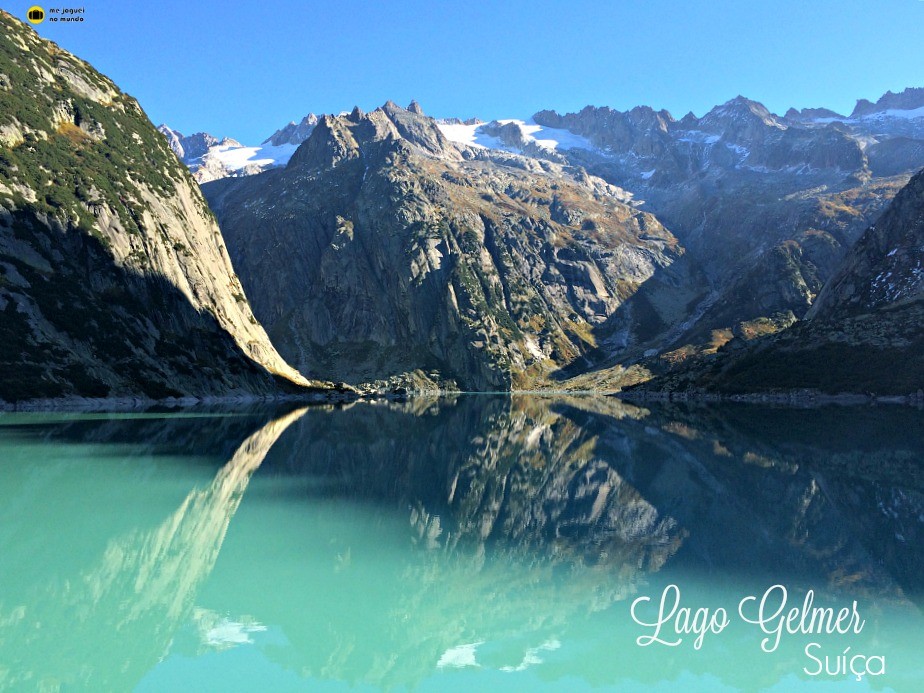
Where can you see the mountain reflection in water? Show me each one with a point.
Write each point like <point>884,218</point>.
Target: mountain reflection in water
<point>384,543</point>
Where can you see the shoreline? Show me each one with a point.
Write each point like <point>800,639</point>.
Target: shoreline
<point>793,398</point>
<point>798,398</point>
<point>127,404</point>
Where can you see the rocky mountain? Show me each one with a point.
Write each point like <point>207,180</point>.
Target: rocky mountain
<point>384,249</point>
<point>765,206</point>
<point>210,158</point>
<point>864,333</point>
<point>762,207</point>
<point>195,146</point>
<point>886,266</point>
<point>293,133</point>
<point>114,278</point>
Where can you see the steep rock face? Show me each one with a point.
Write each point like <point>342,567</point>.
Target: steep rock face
<point>886,266</point>
<point>115,279</point>
<point>382,248</point>
<point>864,333</point>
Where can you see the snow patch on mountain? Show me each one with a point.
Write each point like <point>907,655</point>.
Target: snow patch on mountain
<point>553,139</point>
<point>888,114</point>
<point>697,137</point>
<point>238,158</point>
<point>469,135</point>
<point>910,114</point>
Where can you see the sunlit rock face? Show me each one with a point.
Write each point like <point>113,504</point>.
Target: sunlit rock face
<point>382,249</point>
<point>116,281</point>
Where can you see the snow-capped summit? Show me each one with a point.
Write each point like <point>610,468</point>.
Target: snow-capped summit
<point>189,148</point>
<point>210,158</point>
<point>911,99</point>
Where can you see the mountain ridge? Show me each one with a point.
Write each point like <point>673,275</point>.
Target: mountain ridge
<point>401,252</point>
<point>762,209</point>
<point>864,333</point>
<point>115,279</point>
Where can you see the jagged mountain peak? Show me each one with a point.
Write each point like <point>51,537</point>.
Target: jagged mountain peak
<point>649,113</point>
<point>420,131</point>
<point>191,147</point>
<point>293,133</point>
<point>414,107</point>
<point>811,114</point>
<point>742,108</point>
<point>908,99</point>
<point>338,138</point>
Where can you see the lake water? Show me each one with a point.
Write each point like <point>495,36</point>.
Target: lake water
<point>475,543</point>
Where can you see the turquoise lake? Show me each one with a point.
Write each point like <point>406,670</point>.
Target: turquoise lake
<point>473,543</point>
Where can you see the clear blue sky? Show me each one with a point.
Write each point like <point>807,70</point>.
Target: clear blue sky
<point>243,69</point>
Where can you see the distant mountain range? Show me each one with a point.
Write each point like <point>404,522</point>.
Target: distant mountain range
<point>761,210</point>
<point>739,251</point>
<point>640,134</point>
<point>383,249</point>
